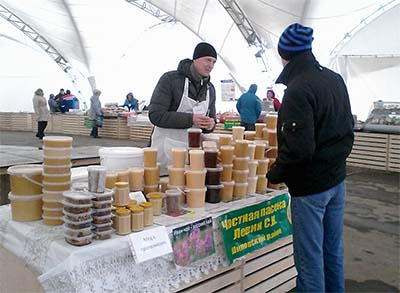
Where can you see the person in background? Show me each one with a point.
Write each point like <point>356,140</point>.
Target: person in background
<point>131,103</point>
<point>41,112</point>
<point>183,98</point>
<point>95,111</point>
<point>271,97</point>
<point>53,106</point>
<point>59,98</point>
<point>315,136</point>
<point>249,108</point>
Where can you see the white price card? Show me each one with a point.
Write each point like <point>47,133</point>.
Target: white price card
<point>138,196</point>
<point>150,243</point>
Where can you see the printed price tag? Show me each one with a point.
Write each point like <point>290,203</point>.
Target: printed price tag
<point>150,244</point>
<point>138,196</point>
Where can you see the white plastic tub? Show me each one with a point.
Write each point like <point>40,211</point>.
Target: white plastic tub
<point>118,158</point>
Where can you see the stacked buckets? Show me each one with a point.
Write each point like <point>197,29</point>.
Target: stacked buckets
<point>56,177</point>
<point>26,192</point>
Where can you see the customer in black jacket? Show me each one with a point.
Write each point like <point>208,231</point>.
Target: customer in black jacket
<point>182,99</point>
<point>315,136</point>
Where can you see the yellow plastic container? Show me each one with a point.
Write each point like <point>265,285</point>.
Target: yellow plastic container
<point>57,141</point>
<point>57,152</point>
<point>56,178</point>
<point>57,186</point>
<point>54,169</point>
<point>26,208</point>
<point>26,179</point>
<point>56,161</point>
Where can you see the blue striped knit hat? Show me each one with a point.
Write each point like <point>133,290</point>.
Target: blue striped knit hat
<point>294,40</point>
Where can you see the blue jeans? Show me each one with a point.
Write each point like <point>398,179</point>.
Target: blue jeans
<point>317,240</point>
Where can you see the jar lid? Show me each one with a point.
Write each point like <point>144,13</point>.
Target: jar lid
<point>121,184</point>
<point>132,202</point>
<point>136,209</point>
<point>146,204</point>
<point>154,195</point>
<point>122,212</point>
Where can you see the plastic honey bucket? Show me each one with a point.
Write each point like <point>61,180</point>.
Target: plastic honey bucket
<point>25,179</point>
<point>57,141</point>
<point>26,208</point>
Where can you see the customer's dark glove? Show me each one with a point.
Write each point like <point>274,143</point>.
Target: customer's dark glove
<point>276,174</point>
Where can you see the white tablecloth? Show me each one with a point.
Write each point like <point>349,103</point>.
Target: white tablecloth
<point>107,265</point>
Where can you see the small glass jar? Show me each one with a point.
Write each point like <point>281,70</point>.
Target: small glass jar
<point>121,195</point>
<point>123,221</point>
<point>137,218</point>
<point>148,213</point>
<point>156,199</point>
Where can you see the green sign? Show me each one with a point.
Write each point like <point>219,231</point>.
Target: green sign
<point>255,226</point>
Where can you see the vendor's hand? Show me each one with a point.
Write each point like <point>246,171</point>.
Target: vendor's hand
<point>202,121</point>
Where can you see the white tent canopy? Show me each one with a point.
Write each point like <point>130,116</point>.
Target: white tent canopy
<point>123,48</point>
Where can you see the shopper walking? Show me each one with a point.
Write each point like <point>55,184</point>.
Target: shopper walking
<point>249,108</point>
<point>95,111</point>
<point>315,136</point>
<point>41,112</point>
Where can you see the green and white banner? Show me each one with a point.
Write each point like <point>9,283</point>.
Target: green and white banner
<point>255,226</point>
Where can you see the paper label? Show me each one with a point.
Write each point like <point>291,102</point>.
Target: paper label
<point>138,196</point>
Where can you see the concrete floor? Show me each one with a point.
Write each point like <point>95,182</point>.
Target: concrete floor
<point>371,228</point>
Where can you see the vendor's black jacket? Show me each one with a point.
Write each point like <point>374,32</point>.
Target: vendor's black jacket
<point>168,93</point>
<point>315,128</point>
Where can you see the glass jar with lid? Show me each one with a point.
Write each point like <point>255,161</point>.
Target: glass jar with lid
<point>156,199</point>
<point>121,195</point>
<point>148,213</point>
<point>137,218</point>
<point>122,221</point>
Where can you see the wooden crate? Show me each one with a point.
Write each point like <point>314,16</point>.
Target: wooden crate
<point>56,123</point>
<point>110,128</point>
<point>140,132</point>
<point>21,122</point>
<point>268,269</point>
<point>394,153</point>
<point>123,129</point>
<point>74,124</point>
<point>5,121</point>
<point>369,151</point>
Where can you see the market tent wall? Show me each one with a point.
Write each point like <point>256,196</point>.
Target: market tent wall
<point>106,40</point>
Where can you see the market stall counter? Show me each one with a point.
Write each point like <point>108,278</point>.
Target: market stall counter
<point>254,255</point>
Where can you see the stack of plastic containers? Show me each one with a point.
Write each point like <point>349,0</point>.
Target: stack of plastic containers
<point>77,217</point>
<point>26,192</point>
<point>213,176</point>
<point>101,200</point>
<point>195,179</point>
<point>240,171</point>
<point>272,153</point>
<point>226,157</point>
<point>176,172</point>
<point>56,176</point>
<point>151,170</point>
<point>136,175</point>
<point>262,168</point>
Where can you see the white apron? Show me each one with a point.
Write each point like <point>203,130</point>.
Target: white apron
<point>165,139</point>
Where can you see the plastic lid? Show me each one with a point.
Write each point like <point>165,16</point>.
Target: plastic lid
<point>68,221</point>
<point>57,149</point>
<point>108,209</point>
<point>121,184</point>
<point>196,189</point>
<point>77,195</point>
<point>266,161</point>
<point>155,195</point>
<point>219,186</point>
<point>183,150</point>
<point>199,151</point>
<point>227,165</point>
<point>78,215</point>
<point>136,169</point>
<point>108,224</point>
<point>57,166</point>
<point>146,204</point>
<point>56,175</point>
<point>149,149</point>
<point>240,171</point>
<point>151,186</point>
<point>109,216</point>
<point>136,209</point>
<point>87,237</point>
<point>24,197</point>
<point>217,169</point>
<point>44,199</point>
<point>228,182</point>
<point>175,169</point>
<point>57,138</point>
<point>253,162</point>
<point>107,232</point>
<point>52,209</point>
<point>229,147</point>
<point>25,170</point>
<point>56,183</point>
<point>68,204</point>
<point>196,171</point>
<point>76,230</point>
<point>241,184</point>
<point>56,192</point>
<point>150,168</point>
<point>54,218</point>
<point>194,130</point>
<point>123,212</point>
<point>106,193</point>
<point>121,152</point>
<point>241,158</point>
<point>57,158</point>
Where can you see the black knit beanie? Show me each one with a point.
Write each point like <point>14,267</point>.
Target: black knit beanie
<point>295,39</point>
<point>203,50</point>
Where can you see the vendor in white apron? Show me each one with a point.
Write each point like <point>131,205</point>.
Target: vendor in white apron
<point>182,99</point>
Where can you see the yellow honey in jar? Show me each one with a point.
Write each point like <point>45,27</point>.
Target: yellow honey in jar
<point>137,218</point>
<point>57,141</point>
<point>122,221</point>
<point>148,213</point>
<point>25,179</point>
<point>26,208</point>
